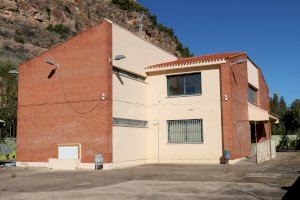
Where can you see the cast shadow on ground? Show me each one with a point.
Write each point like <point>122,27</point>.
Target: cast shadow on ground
<point>293,192</point>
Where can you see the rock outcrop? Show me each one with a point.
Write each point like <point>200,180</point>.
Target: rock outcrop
<point>30,27</point>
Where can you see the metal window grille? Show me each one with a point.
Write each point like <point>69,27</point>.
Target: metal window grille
<point>130,122</point>
<point>185,131</point>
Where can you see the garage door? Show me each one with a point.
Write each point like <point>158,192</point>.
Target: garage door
<point>68,152</point>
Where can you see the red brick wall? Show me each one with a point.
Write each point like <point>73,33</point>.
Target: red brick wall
<point>263,93</point>
<point>226,107</point>
<point>239,87</point>
<point>264,101</point>
<point>45,119</point>
<point>235,124</point>
<point>236,127</point>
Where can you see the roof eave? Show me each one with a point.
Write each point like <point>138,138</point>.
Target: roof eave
<point>185,65</point>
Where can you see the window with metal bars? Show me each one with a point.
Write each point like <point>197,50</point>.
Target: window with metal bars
<point>185,131</point>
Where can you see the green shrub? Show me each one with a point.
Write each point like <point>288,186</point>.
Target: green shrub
<point>19,39</point>
<point>6,46</point>
<point>130,5</point>
<point>184,51</point>
<point>60,29</point>
<point>284,143</point>
<point>289,144</point>
<point>153,19</point>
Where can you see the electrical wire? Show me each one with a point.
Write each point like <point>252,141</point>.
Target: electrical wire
<point>134,103</point>
<point>70,104</point>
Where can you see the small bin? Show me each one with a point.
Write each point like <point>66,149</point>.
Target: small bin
<point>98,161</point>
<point>227,155</point>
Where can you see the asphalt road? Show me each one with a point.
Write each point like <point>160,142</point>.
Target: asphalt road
<point>274,179</point>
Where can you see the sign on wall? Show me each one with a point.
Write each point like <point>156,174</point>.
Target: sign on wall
<point>68,152</point>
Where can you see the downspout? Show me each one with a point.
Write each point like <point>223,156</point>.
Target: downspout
<point>157,123</point>
<point>270,140</point>
<point>255,140</point>
<point>158,143</point>
<point>222,110</point>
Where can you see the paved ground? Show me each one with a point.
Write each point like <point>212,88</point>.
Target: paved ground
<point>275,179</point>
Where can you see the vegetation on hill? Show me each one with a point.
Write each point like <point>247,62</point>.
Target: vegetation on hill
<point>60,29</point>
<point>8,99</point>
<point>134,6</point>
<point>28,28</point>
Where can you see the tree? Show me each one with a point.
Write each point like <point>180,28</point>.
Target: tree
<point>278,107</point>
<point>289,117</point>
<point>296,106</point>
<point>295,110</point>
<point>8,98</point>
<point>282,107</point>
<point>274,104</point>
<point>291,121</point>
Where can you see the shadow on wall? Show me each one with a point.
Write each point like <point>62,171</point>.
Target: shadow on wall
<point>293,191</point>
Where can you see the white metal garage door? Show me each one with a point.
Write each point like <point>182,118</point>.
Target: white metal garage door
<point>68,152</point>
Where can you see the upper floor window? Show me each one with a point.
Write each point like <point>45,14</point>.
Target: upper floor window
<point>186,84</point>
<point>252,95</point>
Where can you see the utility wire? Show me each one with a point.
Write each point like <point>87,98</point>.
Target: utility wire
<point>70,104</point>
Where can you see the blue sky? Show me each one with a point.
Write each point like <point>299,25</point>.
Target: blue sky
<point>268,30</point>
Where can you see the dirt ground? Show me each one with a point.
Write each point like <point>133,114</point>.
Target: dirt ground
<point>274,179</point>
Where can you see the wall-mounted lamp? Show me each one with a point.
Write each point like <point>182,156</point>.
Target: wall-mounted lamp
<point>103,97</point>
<point>225,97</point>
<point>155,122</point>
<point>52,72</point>
<point>51,62</point>
<point>117,57</point>
<point>14,71</point>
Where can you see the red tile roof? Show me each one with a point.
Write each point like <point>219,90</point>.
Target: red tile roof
<point>202,58</point>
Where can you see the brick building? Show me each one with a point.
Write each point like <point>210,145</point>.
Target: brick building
<point>81,98</point>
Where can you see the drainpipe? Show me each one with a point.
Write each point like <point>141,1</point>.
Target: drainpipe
<point>157,123</point>
<point>270,141</point>
<point>255,140</point>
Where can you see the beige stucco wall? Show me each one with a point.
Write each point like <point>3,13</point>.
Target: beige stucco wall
<point>139,53</point>
<point>148,101</point>
<point>130,98</point>
<point>206,106</point>
<point>257,114</point>
<point>252,74</point>
<point>129,144</point>
<point>129,101</point>
<point>263,151</point>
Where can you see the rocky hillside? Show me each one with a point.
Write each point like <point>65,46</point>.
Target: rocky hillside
<point>29,27</point>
